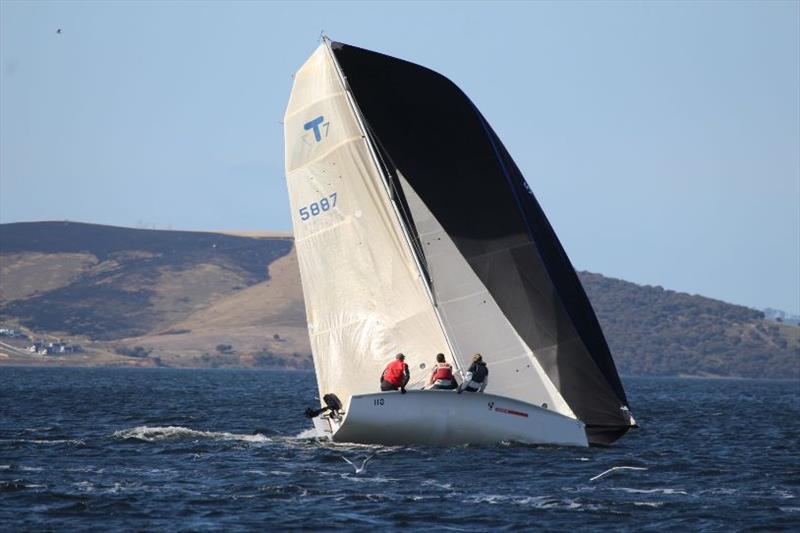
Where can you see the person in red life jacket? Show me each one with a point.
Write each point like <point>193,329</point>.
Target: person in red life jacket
<point>442,376</point>
<point>395,375</point>
<point>477,376</point>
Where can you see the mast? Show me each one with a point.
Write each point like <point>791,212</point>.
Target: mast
<point>392,199</point>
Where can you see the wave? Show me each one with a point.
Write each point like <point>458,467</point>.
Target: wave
<point>267,474</point>
<point>76,442</point>
<point>537,502</point>
<point>19,484</point>
<point>654,505</point>
<point>436,484</point>
<point>651,491</point>
<point>153,434</point>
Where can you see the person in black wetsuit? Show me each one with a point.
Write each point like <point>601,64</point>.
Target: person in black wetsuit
<point>477,376</point>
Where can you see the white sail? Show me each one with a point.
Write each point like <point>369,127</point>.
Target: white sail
<point>473,320</point>
<point>365,299</point>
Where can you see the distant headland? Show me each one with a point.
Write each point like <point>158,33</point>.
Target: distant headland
<point>139,297</point>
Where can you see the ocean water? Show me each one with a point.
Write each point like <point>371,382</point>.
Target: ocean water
<point>159,449</point>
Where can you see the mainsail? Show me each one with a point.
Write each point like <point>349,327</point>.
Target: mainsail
<point>435,243</point>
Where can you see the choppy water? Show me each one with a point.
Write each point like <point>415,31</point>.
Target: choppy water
<point>175,450</point>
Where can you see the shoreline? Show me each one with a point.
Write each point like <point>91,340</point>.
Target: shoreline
<point>123,365</point>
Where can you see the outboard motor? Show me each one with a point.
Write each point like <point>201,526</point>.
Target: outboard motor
<point>332,404</point>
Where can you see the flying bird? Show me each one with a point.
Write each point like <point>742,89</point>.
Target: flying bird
<point>363,467</point>
<point>598,476</point>
<point>59,30</point>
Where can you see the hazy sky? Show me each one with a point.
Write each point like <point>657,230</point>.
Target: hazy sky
<point>662,139</point>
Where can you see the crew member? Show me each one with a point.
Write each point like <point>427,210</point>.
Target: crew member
<point>442,375</point>
<point>477,376</point>
<point>395,375</point>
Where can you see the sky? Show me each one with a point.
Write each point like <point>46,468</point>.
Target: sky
<point>662,139</point>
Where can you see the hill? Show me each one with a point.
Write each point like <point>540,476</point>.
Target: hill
<point>130,292</point>
<point>149,297</point>
<point>653,331</point>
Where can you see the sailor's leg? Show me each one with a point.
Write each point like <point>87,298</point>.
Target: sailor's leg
<point>386,386</point>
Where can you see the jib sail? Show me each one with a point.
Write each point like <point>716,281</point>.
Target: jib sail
<point>365,300</point>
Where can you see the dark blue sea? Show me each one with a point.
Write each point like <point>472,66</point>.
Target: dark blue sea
<point>174,450</point>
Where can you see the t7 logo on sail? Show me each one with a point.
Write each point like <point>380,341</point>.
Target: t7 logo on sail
<point>318,126</point>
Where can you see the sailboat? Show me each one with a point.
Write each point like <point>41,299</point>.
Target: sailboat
<point>416,233</point>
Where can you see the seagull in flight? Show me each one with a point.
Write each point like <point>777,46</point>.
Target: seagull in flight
<point>598,476</point>
<point>59,30</point>
<point>363,467</point>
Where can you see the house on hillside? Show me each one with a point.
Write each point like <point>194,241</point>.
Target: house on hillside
<point>35,347</point>
<point>13,333</point>
<point>54,348</point>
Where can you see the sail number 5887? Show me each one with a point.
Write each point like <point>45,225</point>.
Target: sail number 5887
<point>317,208</point>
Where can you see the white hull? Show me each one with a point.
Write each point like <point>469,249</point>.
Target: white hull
<point>444,418</point>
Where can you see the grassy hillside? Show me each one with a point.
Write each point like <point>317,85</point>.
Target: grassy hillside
<point>103,283</point>
<point>217,299</point>
<point>106,283</point>
<point>652,331</point>
<point>262,325</point>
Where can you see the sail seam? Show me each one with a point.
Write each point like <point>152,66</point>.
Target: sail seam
<point>326,229</point>
<point>312,104</point>
<point>342,325</point>
<point>462,298</point>
<point>498,251</point>
<point>326,153</point>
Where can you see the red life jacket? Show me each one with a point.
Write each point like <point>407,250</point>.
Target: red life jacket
<point>394,373</point>
<point>443,371</point>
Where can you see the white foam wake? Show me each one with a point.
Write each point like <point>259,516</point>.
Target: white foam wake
<point>311,433</point>
<point>152,434</point>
